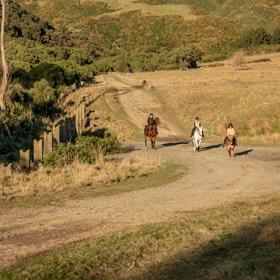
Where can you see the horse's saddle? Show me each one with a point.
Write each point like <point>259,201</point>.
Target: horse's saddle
<point>151,130</point>
<point>231,139</point>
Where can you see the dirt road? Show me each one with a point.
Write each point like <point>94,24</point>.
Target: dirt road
<point>137,103</point>
<point>211,179</point>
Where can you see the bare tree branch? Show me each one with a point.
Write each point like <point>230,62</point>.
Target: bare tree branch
<point>5,67</point>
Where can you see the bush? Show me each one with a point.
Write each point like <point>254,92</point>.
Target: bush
<point>275,36</point>
<point>254,37</point>
<point>50,72</point>
<point>44,98</point>
<point>62,154</point>
<point>84,150</point>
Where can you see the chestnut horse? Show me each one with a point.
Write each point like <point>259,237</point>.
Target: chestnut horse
<point>151,132</point>
<point>230,143</point>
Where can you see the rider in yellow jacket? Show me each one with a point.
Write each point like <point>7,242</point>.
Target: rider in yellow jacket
<point>231,132</point>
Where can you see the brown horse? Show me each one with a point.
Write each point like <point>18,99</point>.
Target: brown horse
<point>230,144</point>
<point>151,132</point>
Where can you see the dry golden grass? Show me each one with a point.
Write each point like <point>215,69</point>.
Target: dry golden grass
<point>250,99</point>
<point>261,127</point>
<point>156,10</point>
<point>238,59</point>
<point>77,175</point>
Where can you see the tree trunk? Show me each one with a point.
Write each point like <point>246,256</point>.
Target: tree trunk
<point>5,67</point>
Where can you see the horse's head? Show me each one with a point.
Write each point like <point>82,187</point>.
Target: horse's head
<point>157,121</point>
<point>229,140</point>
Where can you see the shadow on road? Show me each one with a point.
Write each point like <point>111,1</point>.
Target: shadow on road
<point>243,153</point>
<point>130,149</point>
<point>210,147</point>
<point>171,144</point>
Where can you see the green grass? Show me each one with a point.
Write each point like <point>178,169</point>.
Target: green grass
<point>237,241</point>
<point>166,174</point>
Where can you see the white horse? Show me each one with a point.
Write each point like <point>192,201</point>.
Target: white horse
<point>197,137</point>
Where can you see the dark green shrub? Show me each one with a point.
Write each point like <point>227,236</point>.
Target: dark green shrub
<point>254,37</point>
<point>84,150</point>
<point>21,76</point>
<point>275,36</point>
<point>62,154</point>
<point>86,147</point>
<point>50,72</point>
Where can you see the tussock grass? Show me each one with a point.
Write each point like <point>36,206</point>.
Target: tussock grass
<point>237,241</point>
<point>75,176</point>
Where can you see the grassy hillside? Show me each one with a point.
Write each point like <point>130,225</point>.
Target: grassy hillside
<point>252,13</point>
<point>222,94</point>
<point>249,13</point>
<point>146,35</point>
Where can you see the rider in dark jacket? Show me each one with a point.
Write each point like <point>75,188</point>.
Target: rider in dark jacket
<point>151,120</point>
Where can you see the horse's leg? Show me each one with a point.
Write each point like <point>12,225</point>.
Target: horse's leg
<point>153,143</point>
<point>198,145</point>
<point>145,137</point>
<point>232,149</point>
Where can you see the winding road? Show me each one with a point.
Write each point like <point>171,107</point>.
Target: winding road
<point>211,179</point>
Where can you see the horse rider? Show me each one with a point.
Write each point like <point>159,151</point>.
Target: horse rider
<point>231,132</point>
<point>151,120</point>
<point>197,124</point>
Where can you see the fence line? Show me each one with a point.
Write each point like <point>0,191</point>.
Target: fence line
<point>66,130</point>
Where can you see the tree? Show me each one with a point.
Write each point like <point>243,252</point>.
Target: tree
<point>5,67</point>
<point>43,95</point>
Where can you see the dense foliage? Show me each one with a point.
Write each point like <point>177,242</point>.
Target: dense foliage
<point>259,36</point>
<point>84,149</point>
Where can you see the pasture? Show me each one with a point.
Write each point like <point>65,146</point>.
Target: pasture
<point>249,98</point>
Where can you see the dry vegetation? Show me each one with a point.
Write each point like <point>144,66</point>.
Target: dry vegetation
<point>238,60</point>
<point>169,9</point>
<point>249,98</point>
<point>238,241</point>
<point>75,176</point>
